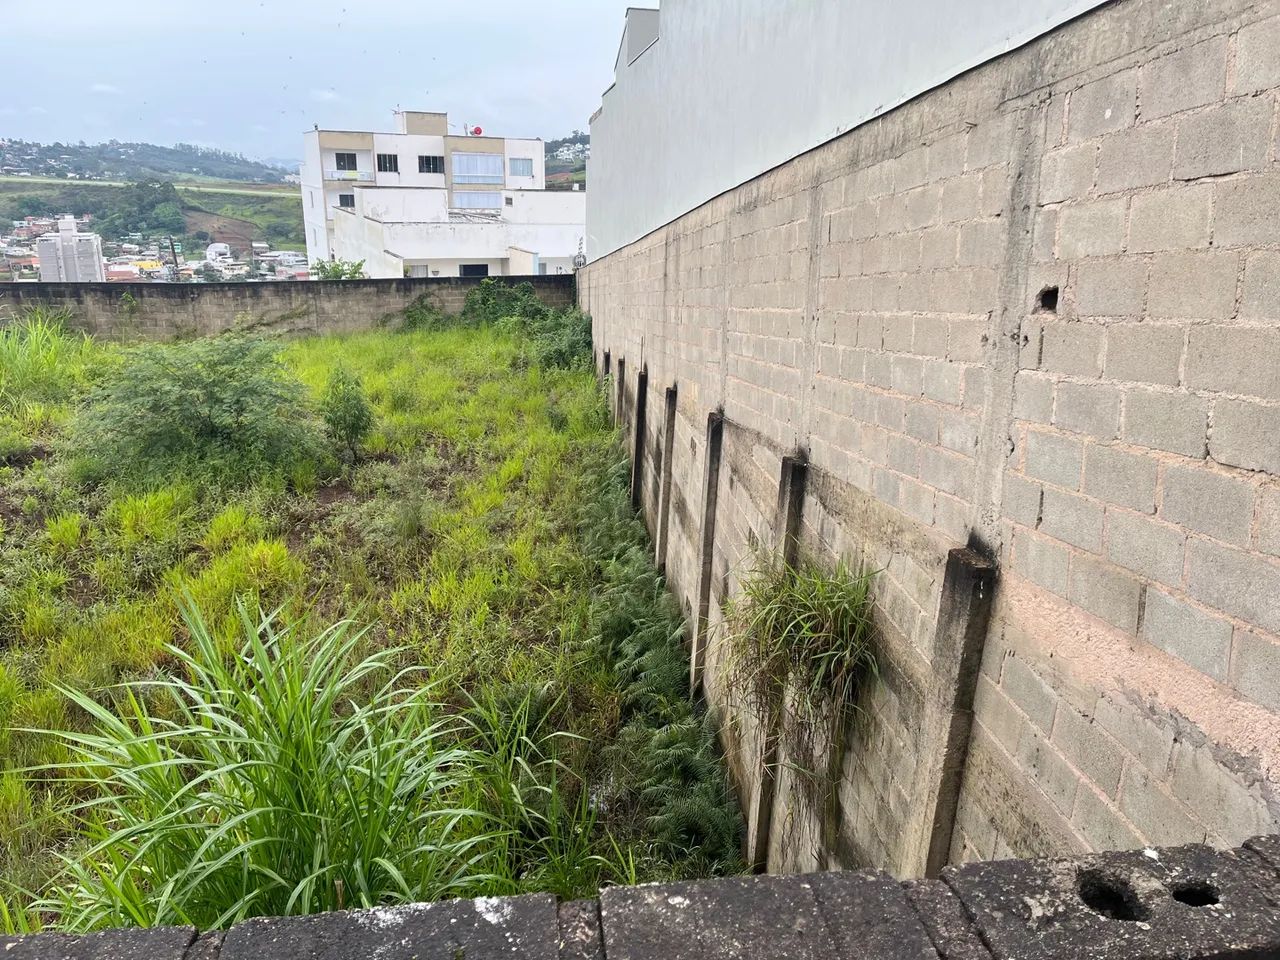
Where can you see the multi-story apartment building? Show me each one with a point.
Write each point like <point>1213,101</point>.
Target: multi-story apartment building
<point>70,256</point>
<point>422,202</point>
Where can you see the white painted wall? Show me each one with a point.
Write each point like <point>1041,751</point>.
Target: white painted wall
<point>408,147</point>
<point>534,150</point>
<point>731,89</point>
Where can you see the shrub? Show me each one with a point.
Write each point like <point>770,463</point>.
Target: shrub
<point>346,411</point>
<point>422,314</point>
<point>494,300</point>
<point>224,406</point>
<point>338,269</point>
<point>561,339</point>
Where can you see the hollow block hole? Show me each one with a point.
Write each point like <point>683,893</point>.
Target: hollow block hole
<point>1111,896</point>
<point>1047,302</point>
<point>1196,893</point>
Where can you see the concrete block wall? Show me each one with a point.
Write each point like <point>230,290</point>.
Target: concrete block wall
<point>1168,904</point>
<point>1035,312</point>
<point>167,311</point>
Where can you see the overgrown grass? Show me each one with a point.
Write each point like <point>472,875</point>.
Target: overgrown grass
<point>483,539</point>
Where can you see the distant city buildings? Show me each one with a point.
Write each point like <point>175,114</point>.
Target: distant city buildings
<point>421,202</point>
<point>70,256</point>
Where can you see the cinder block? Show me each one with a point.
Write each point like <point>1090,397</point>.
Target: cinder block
<point>1072,348</point>
<point>1033,397</point>
<point>1186,78</point>
<point>960,199</point>
<point>1257,61</point>
<point>1201,780</point>
<point>981,242</point>
<point>1020,500</point>
<point>1110,288</point>
<point>1054,458</point>
<point>1237,583</point>
<point>1072,519</point>
<point>1041,561</point>
<point>1101,824</point>
<point>1032,695</point>
<point>1137,157</point>
<point>1260,299</point>
<point>1092,229</point>
<point>1208,502</point>
<point>1088,408</point>
<point>1193,636</point>
<point>1227,139</point>
<point>1137,727</point>
<point>1199,284</point>
<point>1240,360</point>
<point>1176,218</point>
<point>1152,809</point>
<point>1067,174</point>
<point>1050,772</point>
<point>959,432</point>
<point>1246,211</point>
<point>1127,479</point>
<point>1256,669</point>
<point>1176,422</point>
<point>1269,521</point>
<point>1246,434</point>
<point>1144,353</point>
<point>942,381</point>
<point>1096,755</point>
<point>1103,106</point>
<point>1105,591</point>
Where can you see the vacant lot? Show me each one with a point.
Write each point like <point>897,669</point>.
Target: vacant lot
<point>474,527</point>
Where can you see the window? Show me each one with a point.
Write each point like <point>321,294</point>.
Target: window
<point>522,166</point>
<point>388,163</point>
<point>431,164</point>
<point>344,161</point>
<point>473,270</point>
<point>477,168</point>
<point>346,199</point>
<point>511,201</point>
<point>476,199</point>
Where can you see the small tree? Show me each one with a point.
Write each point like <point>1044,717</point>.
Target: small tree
<point>339,269</point>
<point>346,411</point>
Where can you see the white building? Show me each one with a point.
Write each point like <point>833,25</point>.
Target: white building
<point>421,202</point>
<point>69,256</point>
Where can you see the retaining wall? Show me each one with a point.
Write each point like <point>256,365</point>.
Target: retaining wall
<point>1015,345</point>
<point>165,311</point>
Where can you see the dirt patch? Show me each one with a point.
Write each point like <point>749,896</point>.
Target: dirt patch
<point>229,230</point>
<point>24,458</point>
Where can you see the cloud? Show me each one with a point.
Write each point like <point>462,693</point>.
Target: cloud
<point>37,111</point>
<point>103,88</point>
<point>324,96</point>
<point>8,112</point>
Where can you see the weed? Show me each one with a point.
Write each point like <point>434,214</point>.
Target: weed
<point>346,411</point>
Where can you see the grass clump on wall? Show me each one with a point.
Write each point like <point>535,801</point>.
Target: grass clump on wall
<point>801,644</point>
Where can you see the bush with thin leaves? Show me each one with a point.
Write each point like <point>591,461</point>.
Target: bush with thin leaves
<point>347,413</point>
<point>290,777</point>
<point>226,406</point>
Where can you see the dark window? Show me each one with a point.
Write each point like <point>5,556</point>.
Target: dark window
<point>473,270</point>
<point>511,201</point>
<point>430,164</point>
<point>346,199</point>
<point>388,163</point>
<point>345,161</point>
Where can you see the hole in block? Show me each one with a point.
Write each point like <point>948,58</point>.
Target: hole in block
<point>1196,893</point>
<point>1111,896</point>
<point>1047,302</point>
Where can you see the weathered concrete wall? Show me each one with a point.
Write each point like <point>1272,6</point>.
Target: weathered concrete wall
<point>1034,311</point>
<point>1177,904</point>
<point>165,311</point>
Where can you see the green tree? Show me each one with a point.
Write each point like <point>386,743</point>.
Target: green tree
<point>339,269</point>
<point>346,411</point>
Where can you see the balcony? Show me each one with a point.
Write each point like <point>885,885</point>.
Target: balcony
<point>361,175</point>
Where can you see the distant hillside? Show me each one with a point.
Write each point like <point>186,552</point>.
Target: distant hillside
<point>131,161</point>
<point>577,137</point>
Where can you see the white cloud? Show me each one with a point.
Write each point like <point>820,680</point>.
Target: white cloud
<point>103,88</point>
<point>324,96</point>
<point>37,111</point>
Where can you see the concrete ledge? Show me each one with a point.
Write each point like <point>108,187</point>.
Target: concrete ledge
<point>1180,903</point>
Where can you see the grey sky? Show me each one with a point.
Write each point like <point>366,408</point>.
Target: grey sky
<point>251,75</point>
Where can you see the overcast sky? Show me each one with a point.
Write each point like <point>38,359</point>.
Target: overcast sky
<point>252,75</point>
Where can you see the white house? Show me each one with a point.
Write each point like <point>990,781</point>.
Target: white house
<point>423,202</point>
